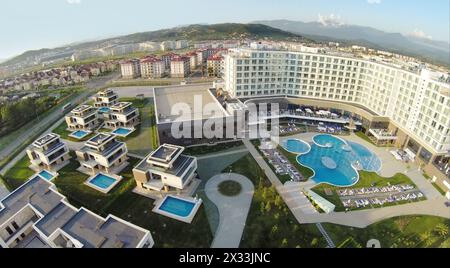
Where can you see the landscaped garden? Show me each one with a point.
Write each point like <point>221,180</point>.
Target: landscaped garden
<point>270,223</point>
<point>213,148</point>
<point>18,174</point>
<point>230,188</point>
<point>366,179</point>
<point>399,232</point>
<point>306,172</point>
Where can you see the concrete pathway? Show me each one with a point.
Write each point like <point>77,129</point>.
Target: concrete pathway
<point>3,191</point>
<point>233,210</point>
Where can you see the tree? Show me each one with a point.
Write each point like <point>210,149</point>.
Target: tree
<point>441,229</point>
<point>262,208</point>
<point>278,201</point>
<point>284,243</point>
<point>268,207</point>
<point>274,229</point>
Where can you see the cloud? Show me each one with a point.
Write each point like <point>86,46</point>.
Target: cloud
<point>420,34</point>
<point>330,20</point>
<point>374,2</point>
<point>73,2</point>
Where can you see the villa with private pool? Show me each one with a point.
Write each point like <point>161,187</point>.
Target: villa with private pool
<point>84,117</point>
<point>122,115</point>
<point>48,152</point>
<point>104,99</point>
<point>102,153</point>
<point>165,169</point>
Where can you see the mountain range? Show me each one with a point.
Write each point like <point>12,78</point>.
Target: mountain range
<point>425,48</point>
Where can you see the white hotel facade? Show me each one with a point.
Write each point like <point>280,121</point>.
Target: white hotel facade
<point>412,104</point>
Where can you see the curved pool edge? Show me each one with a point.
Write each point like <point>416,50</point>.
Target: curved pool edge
<point>297,153</point>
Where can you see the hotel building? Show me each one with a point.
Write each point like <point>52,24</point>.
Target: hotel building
<point>105,98</point>
<point>35,215</point>
<point>180,67</point>
<point>164,169</point>
<point>83,117</point>
<point>48,152</point>
<point>102,153</point>
<point>215,66</point>
<point>122,114</point>
<point>411,104</point>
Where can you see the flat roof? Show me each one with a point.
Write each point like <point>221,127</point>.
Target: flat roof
<point>166,98</point>
<point>35,192</point>
<point>45,139</point>
<point>95,232</point>
<point>165,153</point>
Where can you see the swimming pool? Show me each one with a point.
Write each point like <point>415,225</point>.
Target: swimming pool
<point>296,146</point>
<point>104,110</point>
<point>335,161</point>
<point>102,182</point>
<point>79,134</point>
<point>177,206</point>
<point>122,131</point>
<point>46,175</point>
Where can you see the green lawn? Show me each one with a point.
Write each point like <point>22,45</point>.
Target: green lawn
<point>145,138</point>
<point>366,179</point>
<point>306,172</point>
<point>230,188</point>
<point>205,149</point>
<point>400,232</point>
<point>270,223</point>
<point>440,190</point>
<point>18,174</point>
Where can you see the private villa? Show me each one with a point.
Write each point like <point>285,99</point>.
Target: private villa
<point>122,114</point>
<point>165,169</point>
<point>105,98</point>
<point>102,153</point>
<point>83,117</point>
<point>35,215</point>
<point>48,152</point>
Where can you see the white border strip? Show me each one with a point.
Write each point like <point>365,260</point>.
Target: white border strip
<point>187,219</point>
<point>89,183</point>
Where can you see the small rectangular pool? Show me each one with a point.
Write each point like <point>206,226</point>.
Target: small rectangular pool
<point>46,175</point>
<point>123,132</point>
<point>103,183</point>
<point>178,208</point>
<point>79,134</point>
<point>104,110</point>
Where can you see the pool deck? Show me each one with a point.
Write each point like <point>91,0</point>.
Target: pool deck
<point>233,210</point>
<point>187,219</point>
<point>433,206</point>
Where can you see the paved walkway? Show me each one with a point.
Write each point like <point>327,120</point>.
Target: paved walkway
<point>433,206</point>
<point>233,210</point>
<point>221,154</point>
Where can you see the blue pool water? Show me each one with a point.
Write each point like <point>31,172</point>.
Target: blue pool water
<point>296,146</point>
<point>104,110</point>
<point>177,206</point>
<point>122,131</point>
<point>80,134</point>
<point>102,181</point>
<point>46,175</point>
<point>332,158</point>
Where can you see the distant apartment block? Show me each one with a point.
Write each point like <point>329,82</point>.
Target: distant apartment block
<point>105,98</point>
<point>152,67</point>
<point>83,117</point>
<point>48,152</point>
<point>130,69</point>
<point>167,58</point>
<point>193,60</point>
<point>35,215</point>
<point>180,67</point>
<point>102,153</point>
<point>164,169</point>
<point>122,114</point>
<point>215,65</point>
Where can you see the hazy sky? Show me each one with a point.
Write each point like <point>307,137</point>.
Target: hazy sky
<point>34,24</point>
